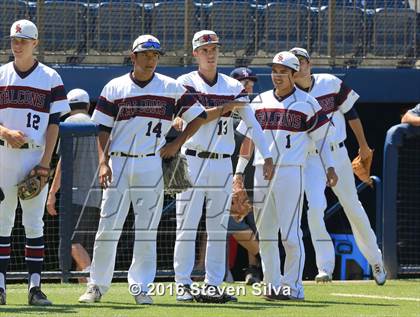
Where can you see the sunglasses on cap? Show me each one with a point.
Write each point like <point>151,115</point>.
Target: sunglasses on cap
<point>207,38</point>
<point>147,45</point>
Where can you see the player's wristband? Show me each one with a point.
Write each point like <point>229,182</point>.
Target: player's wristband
<point>242,163</point>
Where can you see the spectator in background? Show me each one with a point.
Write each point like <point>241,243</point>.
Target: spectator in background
<point>244,232</point>
<point>412,116</point>
<point>87,194</point>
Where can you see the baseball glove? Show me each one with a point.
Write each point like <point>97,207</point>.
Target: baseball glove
<point>32,185</point>
<point>175,174</point>
<point>241,205</point>
<point>362,168</point>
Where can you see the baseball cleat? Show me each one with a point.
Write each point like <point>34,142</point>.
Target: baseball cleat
<point>2,297</point>
<point>379,274</point>
<point>143,299</point>
<point>252,275</point>
<point>37,298</point>
<point>323,277</point>
<point>184,294</point>
<point>92,295</point>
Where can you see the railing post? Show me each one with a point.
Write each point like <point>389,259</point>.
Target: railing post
<point>187,32</point>
<point>40,25</point>
<point>331,31</point>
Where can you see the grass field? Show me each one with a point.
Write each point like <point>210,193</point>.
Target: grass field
<point>396,298</point>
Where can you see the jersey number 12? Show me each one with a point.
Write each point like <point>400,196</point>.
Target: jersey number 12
<point>33,121</point>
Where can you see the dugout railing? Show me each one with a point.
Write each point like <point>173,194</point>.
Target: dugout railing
<point>401,201</point>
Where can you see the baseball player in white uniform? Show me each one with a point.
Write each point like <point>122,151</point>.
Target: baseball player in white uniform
<point>291,120</point>
<point>135,112</point>
<point>32,96</point>
<point>337,102</point>
<point>210,167</point>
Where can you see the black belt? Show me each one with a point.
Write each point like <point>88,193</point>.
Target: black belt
<point>206,155</point>
<point>340,145</point>
<point>122,154</point>
<point>24,146</point>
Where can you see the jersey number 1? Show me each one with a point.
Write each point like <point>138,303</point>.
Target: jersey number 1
<point>157,129</point>
<point>288,146</point>
<point>33,121</point>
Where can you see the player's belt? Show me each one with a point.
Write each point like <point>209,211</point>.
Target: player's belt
<point>122,154</point>
<point>23,146</point>
<point>339,145</point>
<point>206,155</point>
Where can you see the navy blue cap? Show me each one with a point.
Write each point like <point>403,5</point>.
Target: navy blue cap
<point>242,73</point>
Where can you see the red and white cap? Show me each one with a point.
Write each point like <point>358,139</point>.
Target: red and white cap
<point>24,29</point>
<point>204,37</point>
<point>286,59</point>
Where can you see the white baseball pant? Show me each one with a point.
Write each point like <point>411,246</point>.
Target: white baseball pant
<point>138,181</point>
<point>346,192</point>
<point>212,183</point>
<point>15,165</point>
<point>278,206</point>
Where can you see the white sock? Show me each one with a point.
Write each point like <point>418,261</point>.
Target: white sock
<point>35,280</point>
<point>2,282</point>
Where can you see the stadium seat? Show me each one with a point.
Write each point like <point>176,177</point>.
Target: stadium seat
<point>10,11</point>
<point>349,31</point>
<point>117,25</point>
<point>64,26</point>
<point>168,23</point>
<point>285,25</point>
<point>393,32</point>
<point>234,24</point>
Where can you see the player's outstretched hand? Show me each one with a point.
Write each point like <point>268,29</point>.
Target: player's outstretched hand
<point>169,150</point>
<point>15,138</point>
<point>268,169</point>
<point>332,177</point>
<point>51,204</point>
<point>105,175</point>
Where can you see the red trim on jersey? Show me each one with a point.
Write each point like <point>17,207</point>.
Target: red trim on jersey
<point>34,253</point>
<point>318,120</point>
<point>281,119</point>
<point>184,103</point>
<point>23,97</point>
<point>58,93</point>
<point>209,101</point>
<point>4,88</point>
<point>107,107</point>
<point>145,97</point>
<point>342,95</point>
<point>328,103</point>
<point>5,251</point>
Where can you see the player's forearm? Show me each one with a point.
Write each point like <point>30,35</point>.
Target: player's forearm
<point>51,139</point>
<point>411,119</point>
<point>3,131</point>
<point>189,131</point>
<point>55,185</point>
<point>216,112</point>
<point>103,144</point>
<point>356,126</point>
<point>247,148</point>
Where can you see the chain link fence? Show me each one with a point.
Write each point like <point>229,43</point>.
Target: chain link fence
<point>91,31</point>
